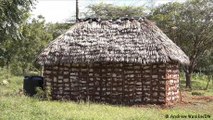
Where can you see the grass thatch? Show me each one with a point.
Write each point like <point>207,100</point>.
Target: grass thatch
<point>127,40</point>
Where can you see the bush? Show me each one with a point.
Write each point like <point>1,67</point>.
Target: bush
<point>198,93</point>
<point>15,69</point>
<point>43,94</point>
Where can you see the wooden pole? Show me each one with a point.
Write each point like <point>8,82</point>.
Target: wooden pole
<point>42,71</point>
<point>77,11</point>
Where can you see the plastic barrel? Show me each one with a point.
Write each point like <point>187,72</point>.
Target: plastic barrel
<point>31,83</point>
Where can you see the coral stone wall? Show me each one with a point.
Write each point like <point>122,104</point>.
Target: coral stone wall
<point>172,84</point>
<point>115,83</point>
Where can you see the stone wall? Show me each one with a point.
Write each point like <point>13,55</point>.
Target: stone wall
<point>114,83</point>
<point>172,84</point>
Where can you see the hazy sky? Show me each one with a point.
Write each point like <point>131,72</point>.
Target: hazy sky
<point>62,10</point>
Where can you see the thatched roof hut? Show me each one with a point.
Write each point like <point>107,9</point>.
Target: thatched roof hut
<point>123,41</point>
<point>94,48</point>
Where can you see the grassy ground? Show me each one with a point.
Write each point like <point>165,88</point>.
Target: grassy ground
<point>15,106</point>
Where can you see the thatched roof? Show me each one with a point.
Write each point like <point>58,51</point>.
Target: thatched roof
<point>126,40</point>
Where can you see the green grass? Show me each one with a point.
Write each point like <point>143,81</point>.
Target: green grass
<point>15,106</point>
<point>199,82</point>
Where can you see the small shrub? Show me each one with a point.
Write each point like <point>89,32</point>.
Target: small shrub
<point>15,69</point>
<point>197,93</point>
<point>39,93</point>
<point>43,94</point>
<point>48,93</point>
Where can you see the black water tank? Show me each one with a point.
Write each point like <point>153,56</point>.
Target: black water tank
<point>31,83</point>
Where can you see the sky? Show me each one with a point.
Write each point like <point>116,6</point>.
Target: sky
<point>63,10</point>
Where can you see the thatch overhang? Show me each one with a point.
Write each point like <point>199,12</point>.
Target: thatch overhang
<point>127,40</point>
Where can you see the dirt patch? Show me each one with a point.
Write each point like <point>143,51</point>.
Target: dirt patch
<point>188,99</point>
<point>203,98</point>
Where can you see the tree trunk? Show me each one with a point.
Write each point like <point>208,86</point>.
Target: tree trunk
<point>7,68</point>
<point>209,78</point>
<point>188,76</point>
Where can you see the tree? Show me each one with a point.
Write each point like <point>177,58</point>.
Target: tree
<point>166,17</point>
<point>36,35</point>
<point>193,31</point>
<point>21,54</point>
<point>12,13</point>
<point>109,11</point>
<point>57,29</point>
<point>35,38</point>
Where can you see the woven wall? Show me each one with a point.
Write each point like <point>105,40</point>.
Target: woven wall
<point>115,83</point>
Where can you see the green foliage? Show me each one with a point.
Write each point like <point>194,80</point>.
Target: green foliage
<point>35,38</point>
<point>36,35</point>
<point>109,11</point>
<point>12,14</point>
<point>57,29</point>
<point>199,81</point>
<point>205,62</point>
<point>48,94</point>
<point>39,93</point>
<point>43,94</point>
<point>15,68</point>
<point>189,25</point>
<point>166,17</point>
<point>197,93</point>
